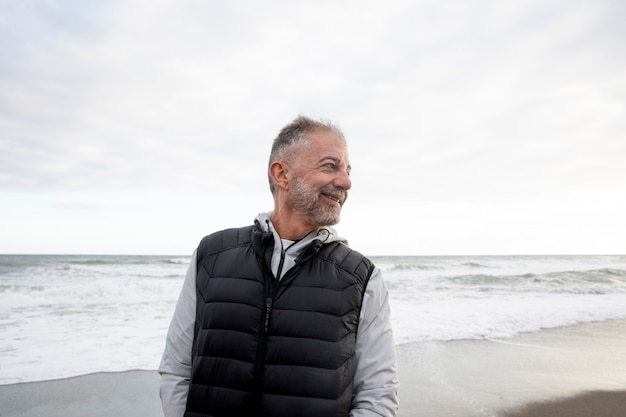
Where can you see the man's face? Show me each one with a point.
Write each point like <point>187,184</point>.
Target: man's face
<point>321,180</point>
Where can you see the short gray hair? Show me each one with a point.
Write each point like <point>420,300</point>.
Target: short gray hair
<point>293,137</point>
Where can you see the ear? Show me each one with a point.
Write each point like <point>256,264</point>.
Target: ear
<point>279,172</point>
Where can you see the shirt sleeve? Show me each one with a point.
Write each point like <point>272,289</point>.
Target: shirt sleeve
<point>175,367</point>
<point>375,381</point>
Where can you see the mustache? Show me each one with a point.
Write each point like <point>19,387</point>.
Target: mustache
<point>337,193</point>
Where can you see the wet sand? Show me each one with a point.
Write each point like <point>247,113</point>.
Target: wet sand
<point>484,378</point>
<point>590,404</point>
<point>117,394</point>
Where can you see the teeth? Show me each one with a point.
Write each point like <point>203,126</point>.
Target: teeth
<point>336,195</point>
<point>333,198</point>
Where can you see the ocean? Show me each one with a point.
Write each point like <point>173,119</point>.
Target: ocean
<point>64,316</point>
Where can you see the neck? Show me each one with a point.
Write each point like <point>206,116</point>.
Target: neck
<point>290,225</point>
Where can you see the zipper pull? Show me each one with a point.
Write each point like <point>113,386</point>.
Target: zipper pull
<point>268,308</point>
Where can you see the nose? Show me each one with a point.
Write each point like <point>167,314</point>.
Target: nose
<point>343,181</point>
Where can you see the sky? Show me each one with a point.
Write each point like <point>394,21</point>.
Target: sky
<point>474,127</point>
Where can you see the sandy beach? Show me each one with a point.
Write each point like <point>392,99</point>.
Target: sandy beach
<point>116,394</point>
<point>523,376</point>
<point>577,371</point>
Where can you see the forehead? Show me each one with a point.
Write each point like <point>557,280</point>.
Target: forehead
<point>325,144</point>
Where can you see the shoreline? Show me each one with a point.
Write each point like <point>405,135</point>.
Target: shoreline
<point>556,373</point>
<point>494,378</point>
<point>592,403</point>
<point>103,394</point>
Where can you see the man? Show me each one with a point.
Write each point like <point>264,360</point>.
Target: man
<point>281,318</point>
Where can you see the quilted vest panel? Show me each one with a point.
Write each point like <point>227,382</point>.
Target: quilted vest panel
<point>268,348</point>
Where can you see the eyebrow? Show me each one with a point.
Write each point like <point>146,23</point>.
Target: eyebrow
<point>336,161</point>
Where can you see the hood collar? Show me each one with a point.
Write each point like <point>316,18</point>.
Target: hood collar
<point>325,234</point>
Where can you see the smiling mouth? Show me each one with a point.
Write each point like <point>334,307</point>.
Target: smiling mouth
<point>336,199</point>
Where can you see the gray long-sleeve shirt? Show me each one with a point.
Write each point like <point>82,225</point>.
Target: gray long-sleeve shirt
<point>375,381</point>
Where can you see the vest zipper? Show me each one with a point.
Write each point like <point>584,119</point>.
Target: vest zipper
<point>270,297</point>
<point>281,264</point>
<point>271,287</point>
<point>261,348</point>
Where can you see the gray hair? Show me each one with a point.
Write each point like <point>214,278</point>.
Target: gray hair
<point>294,137</point>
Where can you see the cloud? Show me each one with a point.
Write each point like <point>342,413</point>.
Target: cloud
<point>487,104</point>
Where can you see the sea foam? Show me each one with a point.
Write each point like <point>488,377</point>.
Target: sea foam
<point>69,315</point>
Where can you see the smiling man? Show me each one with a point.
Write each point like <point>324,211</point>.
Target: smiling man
<point>282,318</point>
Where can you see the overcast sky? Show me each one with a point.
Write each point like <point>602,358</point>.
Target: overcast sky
<point>474,127</point>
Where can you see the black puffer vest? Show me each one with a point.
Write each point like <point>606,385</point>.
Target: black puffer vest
<point>268,348</point>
